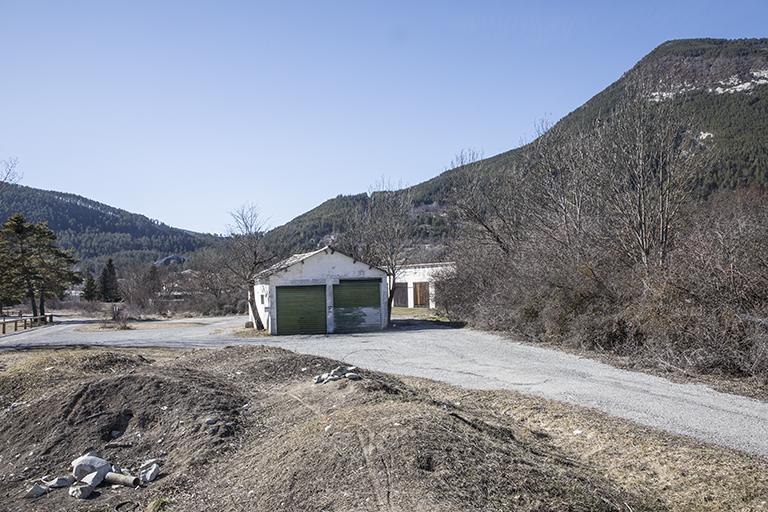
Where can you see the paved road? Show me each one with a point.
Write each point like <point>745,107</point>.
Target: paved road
<point>479,360</point>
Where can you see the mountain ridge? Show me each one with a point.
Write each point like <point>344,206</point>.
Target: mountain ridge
<point>97,230</point>
<point>722,83</point>
<point>737,120</point>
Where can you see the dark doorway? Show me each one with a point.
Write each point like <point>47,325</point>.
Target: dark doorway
<point>421,295</point>
<point>400,295</point>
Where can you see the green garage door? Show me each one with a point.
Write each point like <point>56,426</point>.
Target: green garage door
<point>357,305</point>
<point>301,310</point>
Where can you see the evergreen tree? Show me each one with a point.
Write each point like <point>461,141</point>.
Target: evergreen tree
<point>33,266</point>
<point>19,249</point>
<point>10,284</point>
<point>90,292</point>
<point>108,290</point>
<point>54,266</point>
<point>154,283</point>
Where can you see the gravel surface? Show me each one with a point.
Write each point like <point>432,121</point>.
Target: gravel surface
<point>478,360</point>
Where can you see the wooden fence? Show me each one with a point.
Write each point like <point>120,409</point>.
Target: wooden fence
<point>20,324</point>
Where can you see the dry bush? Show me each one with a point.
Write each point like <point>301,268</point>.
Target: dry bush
<point>598,242</point>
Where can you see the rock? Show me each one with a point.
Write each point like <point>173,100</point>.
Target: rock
<point>95,478</point>
<point>149,462</point>
<point>89,463</point>
<point>150,473</point>
<point>80,490</point>
<point>36,490</point>
<point>210,421</point>
<point>59,481</point>
<point>352,376</point>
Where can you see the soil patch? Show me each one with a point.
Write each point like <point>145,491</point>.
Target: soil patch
<point>243,428</point>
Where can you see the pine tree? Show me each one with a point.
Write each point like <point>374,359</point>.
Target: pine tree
<point>154,283</point>
<point>90,292</point>
<point>19,248</point>
<point>54,266</point>
<point>33,265</point>
<point>108,290</point>
<point>10,283</point>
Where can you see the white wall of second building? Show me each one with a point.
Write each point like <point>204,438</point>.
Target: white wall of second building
<point>421,273</point>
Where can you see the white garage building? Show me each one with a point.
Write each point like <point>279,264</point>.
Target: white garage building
<point>318,292</point>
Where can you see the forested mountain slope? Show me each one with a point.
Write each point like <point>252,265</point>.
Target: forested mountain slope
<point>95,229</point>
<point>722,85</point>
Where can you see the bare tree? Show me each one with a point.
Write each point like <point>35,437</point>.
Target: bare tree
<point>647,158</point>
<point>246,253</point>
<point>8,172</point>
<point>487,203</point>
<point>381,232</point>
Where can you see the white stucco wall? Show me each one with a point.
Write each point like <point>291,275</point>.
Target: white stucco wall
<point>324,268</point>
<point>261,298</point>
<point>421,273</point>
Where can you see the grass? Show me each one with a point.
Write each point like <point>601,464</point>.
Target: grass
<point>145,325</point>
<point>418,314</point>
<point>250,333</point>
<point>685,474</point>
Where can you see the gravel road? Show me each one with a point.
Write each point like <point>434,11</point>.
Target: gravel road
<point>472,359</point>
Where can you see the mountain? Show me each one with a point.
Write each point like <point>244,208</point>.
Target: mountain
<point>722,85</point>
<point>95,230</point>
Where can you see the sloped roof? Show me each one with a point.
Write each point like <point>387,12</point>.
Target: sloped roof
<point>298,258</point>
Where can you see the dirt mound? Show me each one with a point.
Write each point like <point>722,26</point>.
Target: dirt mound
<point>109,362</point>
<point>244,429</point>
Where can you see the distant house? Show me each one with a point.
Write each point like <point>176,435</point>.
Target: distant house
<point>415,285</point>
<point>320,292</point>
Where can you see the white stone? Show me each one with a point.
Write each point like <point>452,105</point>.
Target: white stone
<point>149,473</point>
<point>80,490</point>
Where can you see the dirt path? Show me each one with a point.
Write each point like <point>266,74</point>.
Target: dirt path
<point>477,360</point>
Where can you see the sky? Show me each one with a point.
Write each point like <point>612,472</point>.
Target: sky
<point>183,111</point>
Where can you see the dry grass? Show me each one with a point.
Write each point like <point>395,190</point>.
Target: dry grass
<point>381,443</point>
<point>147,325</point>
<point>249,333</point>
<point>685,474</point>
<point>417,314</point>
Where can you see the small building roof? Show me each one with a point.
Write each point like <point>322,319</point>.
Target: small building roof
<point>298,258</point>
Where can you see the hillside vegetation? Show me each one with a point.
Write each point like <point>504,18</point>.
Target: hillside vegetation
<point>636,226</point>
<point>95,230</point>
<point>737,122</point>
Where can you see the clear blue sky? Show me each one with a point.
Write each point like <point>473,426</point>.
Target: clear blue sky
<point>184,110</point>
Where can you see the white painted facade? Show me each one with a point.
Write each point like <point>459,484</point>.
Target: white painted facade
<point>322,267</point>
<point>422,273</point>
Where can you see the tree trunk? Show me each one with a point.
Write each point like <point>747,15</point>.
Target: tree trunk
<point>42,302</point>
<point>31,297</point>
